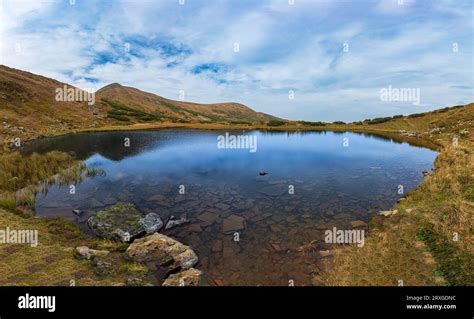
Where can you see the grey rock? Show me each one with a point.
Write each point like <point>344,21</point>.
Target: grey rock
<point>175,222</point>
<point>151,223</point>
<point>119,222</point>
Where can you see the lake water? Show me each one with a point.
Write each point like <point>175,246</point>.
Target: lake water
<point>336,178</point>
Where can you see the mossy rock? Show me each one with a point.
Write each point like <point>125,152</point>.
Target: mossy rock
<point>119,222</point>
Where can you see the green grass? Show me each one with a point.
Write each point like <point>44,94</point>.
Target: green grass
<point>453,264</point>
<point>124,113</point>
<point>276,123</point>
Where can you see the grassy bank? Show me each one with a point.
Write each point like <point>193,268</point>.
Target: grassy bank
<point>52,261</point>
<point>429,241</point>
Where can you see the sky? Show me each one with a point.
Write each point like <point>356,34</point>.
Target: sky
<point>315,60</point>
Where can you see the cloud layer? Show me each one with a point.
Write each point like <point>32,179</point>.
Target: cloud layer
<point>333,57</point>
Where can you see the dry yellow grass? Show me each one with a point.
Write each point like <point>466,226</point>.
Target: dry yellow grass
<point>52,262</point>
<point>430,242</point>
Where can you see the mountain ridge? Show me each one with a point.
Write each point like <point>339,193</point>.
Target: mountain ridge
<point>29,107</point>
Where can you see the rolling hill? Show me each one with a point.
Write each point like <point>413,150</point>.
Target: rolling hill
<point>130,104</point>
<point>29,108</point>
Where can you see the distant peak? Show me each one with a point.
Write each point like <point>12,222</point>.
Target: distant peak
<point>113,85</point>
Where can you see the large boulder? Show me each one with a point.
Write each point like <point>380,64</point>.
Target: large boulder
<point>123,222</point>
<point>165,251</point>
<point>190,277</point>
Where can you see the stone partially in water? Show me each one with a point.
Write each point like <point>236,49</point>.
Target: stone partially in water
<point>190,277</point>
<point>167,252</point>
<point>151,223</point>
<point>172,222</point>
<point>119,222</point>
<point>233,223</point>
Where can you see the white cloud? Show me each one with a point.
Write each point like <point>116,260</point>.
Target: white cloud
<point>282,47</point>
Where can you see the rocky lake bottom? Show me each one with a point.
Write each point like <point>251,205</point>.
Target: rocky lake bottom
<point>252,218</point>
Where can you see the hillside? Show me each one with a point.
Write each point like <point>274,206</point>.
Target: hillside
<point>29,108</point>
<point>130,104</point>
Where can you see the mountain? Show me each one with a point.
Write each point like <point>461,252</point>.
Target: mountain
<point>33,105</point>
<point>130,104</point>
<point>29,106</point>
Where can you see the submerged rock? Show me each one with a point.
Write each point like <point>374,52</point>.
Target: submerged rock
<point>233,223</point>
<point>274,190</point>
<point>123,222</point>
<point>190,277</point>
<point>164,250</point>
<point>172,222</point>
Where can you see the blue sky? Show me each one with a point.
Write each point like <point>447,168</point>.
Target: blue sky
<point>166,48</point>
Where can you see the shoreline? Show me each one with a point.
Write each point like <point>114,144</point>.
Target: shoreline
<point>391,134</point>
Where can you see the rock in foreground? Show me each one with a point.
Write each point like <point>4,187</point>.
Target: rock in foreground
<point>167,252</point>
<point>190,277</point>
<point>123,222</point>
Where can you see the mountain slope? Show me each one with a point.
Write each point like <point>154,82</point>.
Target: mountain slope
<point>28,107</point>
<point>122,101</point>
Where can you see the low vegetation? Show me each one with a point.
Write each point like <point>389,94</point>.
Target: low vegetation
<point>276,123</point>
<point>124,113</point>
<point>429,241</point>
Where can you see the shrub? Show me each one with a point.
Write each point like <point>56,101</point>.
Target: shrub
<point>276,123</point>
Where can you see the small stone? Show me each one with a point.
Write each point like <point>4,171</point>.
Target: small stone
<point>276,247</point>
<point>85,252</point>
<point>77,212</point>
<point>358,223</point>
<point>325,253</point>
<point>176,222</point>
